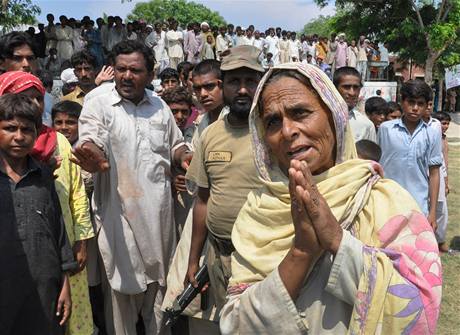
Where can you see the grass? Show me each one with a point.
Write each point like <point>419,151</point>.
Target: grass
<point>449,320</point>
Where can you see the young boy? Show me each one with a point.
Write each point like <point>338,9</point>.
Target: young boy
<point>442,215</point>
<point>35,253</point>
<point>394,111</point>
<point>412,151</point>
<point>267,63</point>
<point>180,102</point>
<point>376,109</point>
<point>64,116</point>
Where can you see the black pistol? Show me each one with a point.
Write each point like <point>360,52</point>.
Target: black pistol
<point>186,297</point>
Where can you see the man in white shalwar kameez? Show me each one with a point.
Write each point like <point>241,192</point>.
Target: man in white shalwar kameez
<point>174,40</point>
<point>156,40</point>
<point>128,140</point>
<point>64,36</point>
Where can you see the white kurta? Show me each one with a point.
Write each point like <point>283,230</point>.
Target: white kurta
<point>64,46</point>
<point>273,47</point>
<point>294,49</point>
<point>174,39</point>
<point>132,201</point>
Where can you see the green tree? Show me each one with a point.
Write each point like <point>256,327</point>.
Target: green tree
<point>322,26</point>
<point>183,11</point>
<point>16,12</point>
<point>424,31</point>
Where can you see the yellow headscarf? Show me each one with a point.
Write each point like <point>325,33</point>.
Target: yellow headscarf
<point>377,211</point>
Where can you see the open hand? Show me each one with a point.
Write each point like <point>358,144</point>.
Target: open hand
<point>90,158</point>
<point>106,74</point>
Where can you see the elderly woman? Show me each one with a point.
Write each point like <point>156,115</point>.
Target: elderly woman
<point>326,246</point>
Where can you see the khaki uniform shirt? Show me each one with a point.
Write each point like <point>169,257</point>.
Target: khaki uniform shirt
<point>224,163</point>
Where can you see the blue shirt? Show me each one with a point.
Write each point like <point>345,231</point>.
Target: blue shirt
<point>407,158</point>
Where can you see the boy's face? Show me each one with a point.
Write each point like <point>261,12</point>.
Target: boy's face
<point>67,125</point>
<point>17,138</point>
<point>377,119</point>
<point>444,126</point>
<point>181,112</point>
<point>394,115</point>
<point>414,108</point>
<point>170,83</point>
<point>349,87</point>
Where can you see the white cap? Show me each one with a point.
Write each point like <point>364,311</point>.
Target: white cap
<point>68,76</point>
<point>204,24</point>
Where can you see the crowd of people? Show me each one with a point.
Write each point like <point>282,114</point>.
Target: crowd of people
<point>56,42</point>
<point>239,150</point>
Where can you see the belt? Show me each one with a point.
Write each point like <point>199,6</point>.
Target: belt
<point>224,246</point>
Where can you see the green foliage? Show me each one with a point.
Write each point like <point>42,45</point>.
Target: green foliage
<point>396,22</point>
<point>322,25</point>
<point>183,11</point>
<point>18,12</point>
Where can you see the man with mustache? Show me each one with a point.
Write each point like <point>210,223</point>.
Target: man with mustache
<point>84,64</point>
<point>224,171</point>
<point>129,140</point>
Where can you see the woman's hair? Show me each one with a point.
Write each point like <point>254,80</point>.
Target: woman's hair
<point>416,88</point>
<point>177,95</point>
<point>20,106</point>
<point>71,108</point>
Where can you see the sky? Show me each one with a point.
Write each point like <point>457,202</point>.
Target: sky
<point>288,14</point>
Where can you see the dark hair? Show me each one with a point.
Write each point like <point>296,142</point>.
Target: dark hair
<point>13,40</point>
<point>184,66</point>
<point>345,71</point>
<point>129,47</point>
<point>393,107</point>
<point>416,88</point>
<point>20,106</point>
<point>208,66</point>
<point>177,95</point>
<point>169,73</point>
<point>442,116</point>
<point>368,150</point>
<point>83,56</point>
<point>46,77</point>
<point>71,108</point>
<point>376,105</point>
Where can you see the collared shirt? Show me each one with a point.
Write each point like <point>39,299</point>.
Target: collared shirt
<point>77,95</point>
<point>362,127</point>
<point>406,158</point>
<point>33,238</point>
<point>132,200</point>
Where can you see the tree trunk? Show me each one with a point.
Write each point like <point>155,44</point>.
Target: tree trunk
<point>438,108</point>
<point>429,64</point>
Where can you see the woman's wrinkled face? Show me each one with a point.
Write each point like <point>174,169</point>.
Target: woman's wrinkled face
<point>298,125</point>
